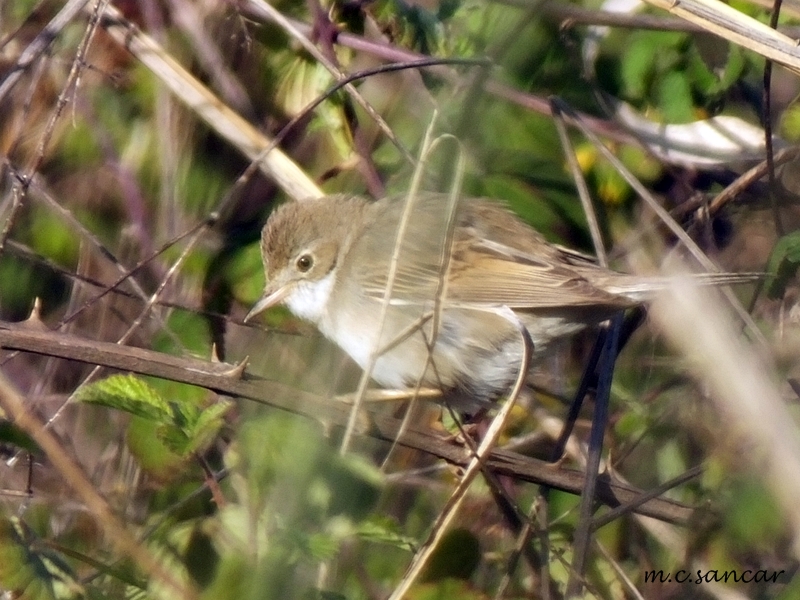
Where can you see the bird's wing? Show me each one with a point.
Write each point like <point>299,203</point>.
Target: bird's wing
<point>490,273</point>
<point>494,260</point>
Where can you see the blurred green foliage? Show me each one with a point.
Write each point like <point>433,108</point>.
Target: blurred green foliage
<point>783,264</point>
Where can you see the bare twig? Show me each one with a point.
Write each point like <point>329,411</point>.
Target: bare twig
<point>728,23</point>
<point>267,11</point>
<point>40,43</point>
<point>208,107</point>
<point>222,378</point>
<point>741,388</point>
<point>475,466</point>
<point>532,102</point>
<point>583,531</point>
<point>402,227</point>
<point>73,475</point>
<point>767,119</point>
<point>580,183</point>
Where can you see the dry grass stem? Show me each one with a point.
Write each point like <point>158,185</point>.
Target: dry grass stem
<point>198,98</point>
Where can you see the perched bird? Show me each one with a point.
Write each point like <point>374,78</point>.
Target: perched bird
<point>329,261</point>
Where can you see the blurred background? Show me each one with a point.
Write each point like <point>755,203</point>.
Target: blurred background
<point>111,171</point>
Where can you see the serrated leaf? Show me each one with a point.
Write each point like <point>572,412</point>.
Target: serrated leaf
<point>174,438</point>
<point>128,393</point>
<point>208,424</point>
<point>184,414</point>
<point>783,264</point>
<point>192,428</point>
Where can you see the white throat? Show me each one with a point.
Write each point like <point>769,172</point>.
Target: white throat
<point>309,299</point>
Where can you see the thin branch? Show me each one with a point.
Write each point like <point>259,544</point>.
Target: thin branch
<point>528,101</point>
<point>767,120</point>
<point>226,122</point>
<point>41,43</point>
<point>475,466</point>
<point>267,11</point>
<point>730,24</point>
<point>72,474</point>
<point>583,531</point>
<point>228,380</point>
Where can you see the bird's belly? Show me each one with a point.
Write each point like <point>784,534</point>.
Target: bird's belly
<point>396,368</point>
<point>476,353</point>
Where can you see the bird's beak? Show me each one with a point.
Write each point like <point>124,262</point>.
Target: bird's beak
<point>268,300</point>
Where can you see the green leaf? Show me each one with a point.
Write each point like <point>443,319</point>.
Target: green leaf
<point>51,239</point>
<point>384,530</point>
<point>246,274</point>
<point>128,393</point>
<point>190,333</point>
<point>675,98</point>
<point>702,78</point>
<point>783,264</point>
<point>151,452</point>
<point>751,516</point>
<point>456,557</point>
<point>734,68</point>
<point>182,426</point>
<point>30,573</point>
<point>192,428</point>
<point>184,414</point>
<point>641,163</point>
<point>637,66</point>
<point>321,546</point>
<point>174,438</point>
<point>355,485</point>
<point>790,123</point>
<point>612,188</point>
<point>13,435</point>
<point>208,423</point>
<point>711,83</point>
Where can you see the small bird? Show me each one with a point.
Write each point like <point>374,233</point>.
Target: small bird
<point>329,261</point>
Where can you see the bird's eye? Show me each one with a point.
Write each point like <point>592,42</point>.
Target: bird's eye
<point>304,263</point>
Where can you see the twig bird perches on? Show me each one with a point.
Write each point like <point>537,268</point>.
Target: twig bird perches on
<point>327,259</point>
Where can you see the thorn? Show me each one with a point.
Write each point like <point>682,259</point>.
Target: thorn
<point>559,463</point>
<point>36,311</point>
<point>237,370</point>
<point>34,319</point>
<point>214,354</point>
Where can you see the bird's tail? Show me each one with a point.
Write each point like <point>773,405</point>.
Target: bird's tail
<point>640,289</point>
